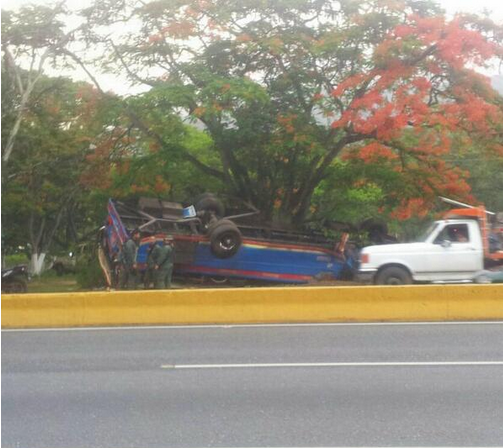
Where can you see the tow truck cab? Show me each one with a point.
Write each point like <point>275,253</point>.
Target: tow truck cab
<point>453,249</point>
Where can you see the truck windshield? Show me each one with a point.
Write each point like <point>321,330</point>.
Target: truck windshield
<point>428,232</point>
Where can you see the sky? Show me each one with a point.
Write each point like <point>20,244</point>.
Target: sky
<point>109,82</point>
<point>451,6</point>
<point>495,6</point>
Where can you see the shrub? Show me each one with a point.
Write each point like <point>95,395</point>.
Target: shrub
<point>15,259</point>
<point>89,274</point>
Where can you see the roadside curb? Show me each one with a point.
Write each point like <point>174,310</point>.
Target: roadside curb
<point>254,305</point>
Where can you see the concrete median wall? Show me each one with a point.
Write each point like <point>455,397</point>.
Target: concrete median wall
<point>254,305</point>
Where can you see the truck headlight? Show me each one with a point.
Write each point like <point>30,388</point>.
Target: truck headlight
<point>364,258</point>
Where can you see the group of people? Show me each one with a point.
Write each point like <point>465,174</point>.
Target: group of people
<point>159,264</point>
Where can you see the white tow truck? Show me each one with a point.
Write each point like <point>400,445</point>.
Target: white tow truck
<point>454,249</point>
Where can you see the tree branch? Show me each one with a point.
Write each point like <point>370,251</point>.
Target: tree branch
<point>83,66</point>
<point>128,70</point>
<point>189,157</point>
<point>12,65</point>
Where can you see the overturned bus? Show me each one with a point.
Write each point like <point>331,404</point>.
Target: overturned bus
<point>209,243</point>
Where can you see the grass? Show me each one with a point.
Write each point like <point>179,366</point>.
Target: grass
<point>50,282</point>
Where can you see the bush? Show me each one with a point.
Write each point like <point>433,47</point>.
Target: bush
<point>15,259</point>
<point>89,273</point>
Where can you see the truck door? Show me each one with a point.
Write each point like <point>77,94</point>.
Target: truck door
<point>455,253</point>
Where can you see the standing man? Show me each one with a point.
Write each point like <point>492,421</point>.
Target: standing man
<point>148,277</point>
<point>127,259</point>
<point>162,257</point>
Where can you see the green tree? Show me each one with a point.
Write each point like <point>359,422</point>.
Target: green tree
<point>132,160</point>
<point>286,88</point>
<point>485,176</point>
<point>42,200</point>
<point>31,37</point>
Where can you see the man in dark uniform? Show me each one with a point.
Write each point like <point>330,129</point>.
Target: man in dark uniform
<point>162,257</point>
<point>127,259</point>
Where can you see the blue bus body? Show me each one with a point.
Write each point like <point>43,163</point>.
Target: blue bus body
<point>257,258</point>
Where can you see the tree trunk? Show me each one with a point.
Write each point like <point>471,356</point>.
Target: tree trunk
<point>25,97</point>
<point>37,263</point>
<point>25,92</point>
<point>12,136</point>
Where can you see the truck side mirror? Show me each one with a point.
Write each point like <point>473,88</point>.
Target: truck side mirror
<point>446,243</point>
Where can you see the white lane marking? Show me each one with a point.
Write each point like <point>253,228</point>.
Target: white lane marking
<point>332,364</point>
<point>231,326</point>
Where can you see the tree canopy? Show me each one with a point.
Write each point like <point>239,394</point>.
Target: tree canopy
<point>286,88</point>
<point>307,109</point>
<point>42,199</point>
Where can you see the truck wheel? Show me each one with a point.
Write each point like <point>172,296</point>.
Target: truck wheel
<point>225,239</point>
<point>393,276</point>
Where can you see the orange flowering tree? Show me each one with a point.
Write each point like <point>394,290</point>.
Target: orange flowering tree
<point>297,94</point>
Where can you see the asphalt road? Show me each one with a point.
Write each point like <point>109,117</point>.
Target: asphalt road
<point>334,385</point>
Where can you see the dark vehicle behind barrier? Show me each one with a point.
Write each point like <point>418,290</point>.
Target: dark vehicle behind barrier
<point>208,243</point>
<point>15,279</point>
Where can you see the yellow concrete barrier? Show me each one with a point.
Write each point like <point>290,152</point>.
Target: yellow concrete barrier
<point>255,305</point>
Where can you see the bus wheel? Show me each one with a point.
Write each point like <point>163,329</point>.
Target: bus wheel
<point>208,205</point>
<point>225,239</point>
<point>219,280</point>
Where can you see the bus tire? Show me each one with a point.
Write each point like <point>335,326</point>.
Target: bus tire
<point>209,204</point>
<point>225,239</point>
